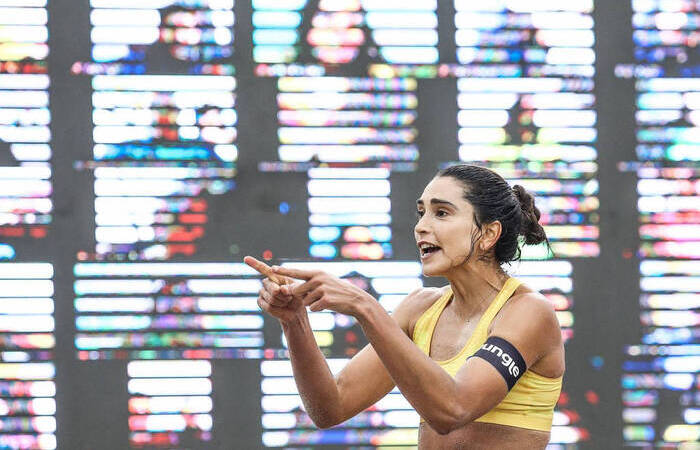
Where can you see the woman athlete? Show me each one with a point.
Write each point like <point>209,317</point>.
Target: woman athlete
<point>481,360</point>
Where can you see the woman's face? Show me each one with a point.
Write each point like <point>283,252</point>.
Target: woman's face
<point>445,226</point>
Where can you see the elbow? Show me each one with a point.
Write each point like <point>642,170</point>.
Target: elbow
<point>443,427</point>
<point>324,421</point>
<point>447,423</point>
<point>324,424</point>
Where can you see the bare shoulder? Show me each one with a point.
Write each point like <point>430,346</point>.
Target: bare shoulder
<point>414,305</point>
<point>529,312</point>
<point>529,304</point>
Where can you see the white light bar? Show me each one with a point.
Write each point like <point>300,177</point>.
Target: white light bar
<point>25,271</point>
<point>162,269</point>
<point>170,386</point>
<point>161,83</point>
<point>22,288</point>
<point>141,369</point>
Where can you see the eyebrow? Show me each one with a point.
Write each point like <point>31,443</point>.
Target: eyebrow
<point>437,201</point>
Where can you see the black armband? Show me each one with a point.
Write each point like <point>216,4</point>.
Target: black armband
<point>504,357</point>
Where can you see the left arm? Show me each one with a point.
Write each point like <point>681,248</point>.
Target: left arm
<point>445,403</point>
<point>448,403</point>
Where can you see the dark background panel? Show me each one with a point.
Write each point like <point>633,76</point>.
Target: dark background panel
<point>92,397</point>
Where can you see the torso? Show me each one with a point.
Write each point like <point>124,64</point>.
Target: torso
<point>449,337</point>
<point>482,436</point>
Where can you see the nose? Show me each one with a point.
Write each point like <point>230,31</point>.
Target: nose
<point>420,227</point>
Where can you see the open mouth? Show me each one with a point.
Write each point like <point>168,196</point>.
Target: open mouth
<point>427,250</point>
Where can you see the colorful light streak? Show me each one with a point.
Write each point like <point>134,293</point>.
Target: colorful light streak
<point>163,141</point>
<point>25,185</point>
<point>666,117</point>
<point>536,126</point>
<point>166,404</point>
<point>349,207</point>
<point>174,132</point>
<point>339,33</point>
<point>27,370</point>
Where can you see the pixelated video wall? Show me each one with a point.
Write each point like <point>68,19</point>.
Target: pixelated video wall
<point>146,146</point>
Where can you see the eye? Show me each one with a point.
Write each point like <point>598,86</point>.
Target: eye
<point>419,214</point>
<point>440,213</point>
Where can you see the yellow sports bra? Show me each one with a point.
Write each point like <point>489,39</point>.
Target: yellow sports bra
<point>530,403</point>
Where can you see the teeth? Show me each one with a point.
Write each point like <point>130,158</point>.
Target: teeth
<point>425,247</point>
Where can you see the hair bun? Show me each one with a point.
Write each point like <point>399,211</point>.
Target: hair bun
<point>530,227</point>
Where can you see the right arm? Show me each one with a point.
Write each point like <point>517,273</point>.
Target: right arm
<point>330,401</point>
<point>364,380</point>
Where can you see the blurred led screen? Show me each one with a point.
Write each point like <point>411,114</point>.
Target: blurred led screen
<point>146,146</point>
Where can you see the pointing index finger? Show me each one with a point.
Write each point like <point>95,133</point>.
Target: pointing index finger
<point>299,274</point>
<point>263,269</point>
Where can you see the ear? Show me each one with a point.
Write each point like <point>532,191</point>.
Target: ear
<point>489,235</point>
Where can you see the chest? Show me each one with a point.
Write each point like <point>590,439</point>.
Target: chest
<point>451,334</point>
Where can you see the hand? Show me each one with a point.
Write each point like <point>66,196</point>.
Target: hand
<point>275,297</point>
<point>321,290</point>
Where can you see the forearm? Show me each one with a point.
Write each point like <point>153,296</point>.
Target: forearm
<point>426,386</point>
<point>315,382</point>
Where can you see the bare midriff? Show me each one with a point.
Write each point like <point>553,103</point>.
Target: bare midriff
<point>482,436</point>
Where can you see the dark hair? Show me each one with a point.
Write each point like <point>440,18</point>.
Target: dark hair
<point>493,199</point>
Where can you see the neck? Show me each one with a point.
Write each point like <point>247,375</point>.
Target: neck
<point>474,285</point>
